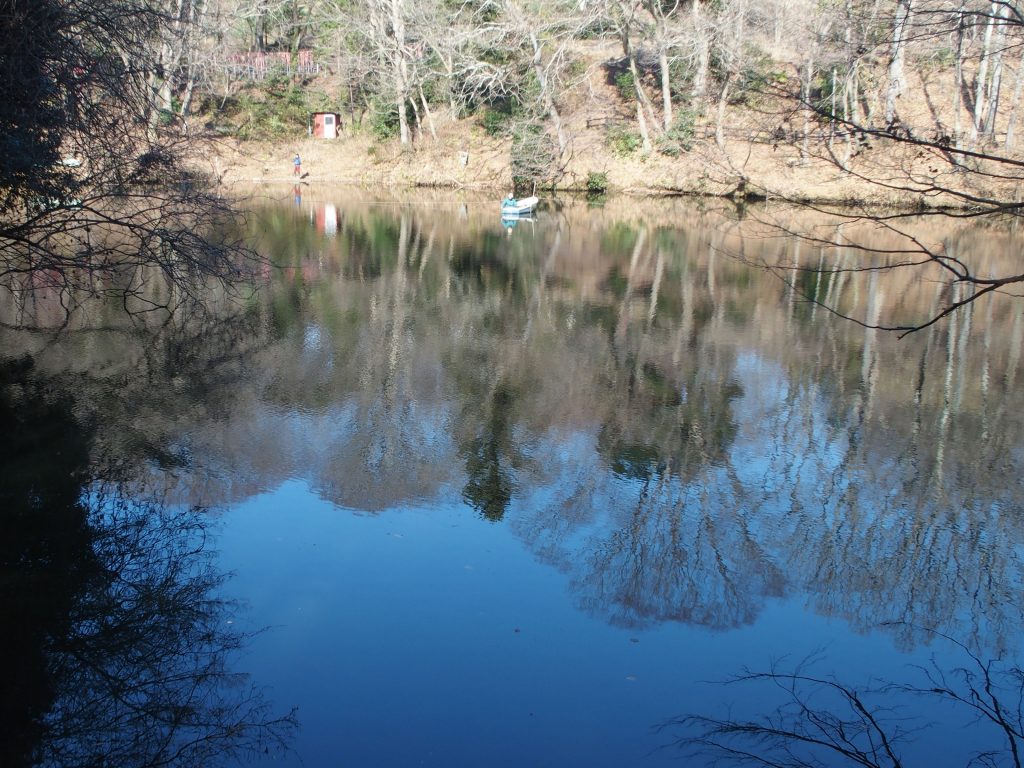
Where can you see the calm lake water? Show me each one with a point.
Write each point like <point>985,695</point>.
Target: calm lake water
<point>492,495</point>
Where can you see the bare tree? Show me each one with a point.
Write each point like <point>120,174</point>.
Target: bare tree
<point>663,18</point>
<point>730,41</point>
<point>915,164</point>
<point>897,80</point>
<point>92,198</point>
<point>702,35</point>
<point>824,721</point>
<point>625,19</point>
<point>388,41</point>
<point>388,19</point>
<point>274,24</point>
<point>543,32</point>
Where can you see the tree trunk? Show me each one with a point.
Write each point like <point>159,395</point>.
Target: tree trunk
<point>416,115</point>
<point>198,12</point>
<point>806,88</point>
<point>851,83</point>
<point>645,135</point>
<point>186,102</point>
<point>832,116</point>
<point>731,57</point>
<point>401,70</point>
<point>723,99</point>
<point>1011,117</point>
<point>449,70</point>
<point>525,27</point>
<point>161,81</point>
<point>958,78</point>
<point>700,75</point>
<point>429,114</point>
<point>982,82</point>
<point>666,90</point>
<point>897,77</point>
<point>995,81</point>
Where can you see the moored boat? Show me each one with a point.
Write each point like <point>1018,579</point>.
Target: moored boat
<point>512,207</point>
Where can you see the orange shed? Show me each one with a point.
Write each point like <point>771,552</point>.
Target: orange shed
<point>325,125</point>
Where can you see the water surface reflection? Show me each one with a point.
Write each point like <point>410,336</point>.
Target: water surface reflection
<point>120,642</point>
<point>676,439</point>
<point>679,432</point>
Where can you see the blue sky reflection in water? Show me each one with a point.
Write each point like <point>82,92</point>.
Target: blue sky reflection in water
<point>421,637</point>
<point>510,498</point>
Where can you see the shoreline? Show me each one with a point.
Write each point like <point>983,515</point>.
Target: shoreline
<point>739,172</point>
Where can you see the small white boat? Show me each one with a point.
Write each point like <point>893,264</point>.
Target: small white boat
<point>512,207</point>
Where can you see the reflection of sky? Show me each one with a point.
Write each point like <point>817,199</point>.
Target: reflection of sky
<point>793,506</point>
<point>768,406</point>
<point>425,636</point>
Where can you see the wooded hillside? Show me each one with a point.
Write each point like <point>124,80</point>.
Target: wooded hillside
<point>649,78</point>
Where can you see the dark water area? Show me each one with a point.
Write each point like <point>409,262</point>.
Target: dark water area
<point>448,491</point>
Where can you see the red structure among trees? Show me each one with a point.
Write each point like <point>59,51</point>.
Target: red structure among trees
<point>256,65</point>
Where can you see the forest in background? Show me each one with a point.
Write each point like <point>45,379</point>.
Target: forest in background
<point>824,79</point>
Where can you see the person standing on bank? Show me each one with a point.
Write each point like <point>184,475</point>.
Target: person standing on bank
<point>298,165</point>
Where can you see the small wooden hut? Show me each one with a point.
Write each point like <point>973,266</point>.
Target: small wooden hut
<point>325,125</point>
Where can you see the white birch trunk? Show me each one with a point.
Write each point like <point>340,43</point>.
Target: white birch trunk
<point>982,82</point>
<point>995,81</point>
<point>644,111</point>
<point>732,57</point>
<point>703,45</point>
<point>897,77</point>
<point>400,69</point>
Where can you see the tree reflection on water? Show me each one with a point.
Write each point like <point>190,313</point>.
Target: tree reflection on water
<point>819,720</point>
<point>119,641</point>
<point>681,437</point>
